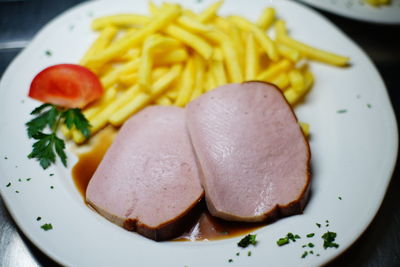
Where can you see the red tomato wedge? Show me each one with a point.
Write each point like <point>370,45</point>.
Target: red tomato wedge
<point>66,85</point>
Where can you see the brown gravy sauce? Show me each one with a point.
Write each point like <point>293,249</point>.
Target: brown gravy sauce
<point>206,227</point>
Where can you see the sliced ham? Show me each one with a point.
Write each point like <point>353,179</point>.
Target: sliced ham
<point>148,180</point>
<point>253,155</point>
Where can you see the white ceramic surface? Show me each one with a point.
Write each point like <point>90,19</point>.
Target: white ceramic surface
<point>357,9</point>
<point>353,155</point>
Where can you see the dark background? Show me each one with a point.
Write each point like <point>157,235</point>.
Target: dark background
<point>378,246</point>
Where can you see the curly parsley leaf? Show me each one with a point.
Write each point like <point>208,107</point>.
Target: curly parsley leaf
<point>74,117</point>
<point>328,238</point>
<point>45,117</point>
<point>247,240</point>
<point>48,146</point>
<point>47,226</point>
<point>44,148</point>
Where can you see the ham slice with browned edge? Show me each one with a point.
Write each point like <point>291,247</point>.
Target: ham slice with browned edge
<point>253,155</point>
<point>148,180</point>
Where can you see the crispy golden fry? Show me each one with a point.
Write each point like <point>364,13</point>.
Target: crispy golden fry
<point>289,53</point>
<point>186,84</point>
<point>200,68</point>
<point>305,127</point>
<point>252,58</point>
<point>306,50</point>
<point>112,77</point>
<point>136,102</point>
<point>314,53</point>
<point>104,39</point>
<point>296,80</point>
<point>266,19</point>
<point>164,101</point>
<point>282,81</point>
<point>191,40</point>
<point>192,24</point>
<point>128,56</point>
<point>210,12</point>
<point>178,55</point>
<point>262,38</point>
<point>120,46</point>
<point>218,70</point>
<point>120,20</point>
<point>274,70</point>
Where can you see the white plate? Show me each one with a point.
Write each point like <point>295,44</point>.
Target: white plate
<point>353,155</point>
<point>357,9</point>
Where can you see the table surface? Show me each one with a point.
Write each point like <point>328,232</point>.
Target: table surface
<point>380,243</point>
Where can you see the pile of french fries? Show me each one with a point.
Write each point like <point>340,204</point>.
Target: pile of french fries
<point>173,55</point>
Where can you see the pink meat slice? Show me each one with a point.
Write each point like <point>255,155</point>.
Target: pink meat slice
<point>253,155</point>
<point>148,180</point>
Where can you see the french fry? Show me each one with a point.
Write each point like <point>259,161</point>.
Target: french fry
<point>273,71</point>
<point>136,102</point>
<point>252,58</point>
<point>112,77</point>
<point>178,55</point>
<point>296,80</point>
<point>288,52</point>
<point>266,19</point>
<point>282,81</point>
<point>210,12</point>
<point>200,67</point>
<point>104,39</point>
<point>164,101</point>
<point>129,41</point>
<point>262,38</point>
<point>191,40</point>
<point>120,20</point>
<point>185,85</point>
<point>305,127</point>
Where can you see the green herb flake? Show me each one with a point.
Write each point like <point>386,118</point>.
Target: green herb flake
<point>5,158</point>
<point>318,224</point>
<point>318,255</point>
<point>341,111</point>
<point>297,237</point>
<point>304,254</point>
<point>249,253</point>
<point>48,53</point>
<point>282,241</point>
<point>247,240</point>
<point>28,179</point>
<point>237,253</point>
<point>340,198</point>
<point>17,192</point>
<point>311,252</point>
<point>8,185</point>
<point>310,245</point>
<point>303,246</point>
<point>51,174</point>
<point>19,180</point>
<point>51,187</point>
<point>329,238</point>
<point>47,226</point>
<point>230,260</point>
<point>310,235</point>
<point>369,105</point>
<point>38,218</point>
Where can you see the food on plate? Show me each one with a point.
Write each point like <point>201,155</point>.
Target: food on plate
<point>64,88</point>
<point>148,181</point>
<point>192,53</point>
<point>66,85</point>
<point>253,155</point>
<point>378,2</point>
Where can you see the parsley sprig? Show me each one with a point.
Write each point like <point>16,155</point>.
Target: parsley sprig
<point>48,145</point>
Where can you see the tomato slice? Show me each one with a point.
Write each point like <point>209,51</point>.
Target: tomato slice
<point>66,85</point>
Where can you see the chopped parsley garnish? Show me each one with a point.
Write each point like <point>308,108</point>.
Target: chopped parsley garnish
<point>237,253</point>
<point>319,225</point>
<point>5,158</point>
<point>247,240</point>
<point>51,174</point>
<point>310,245</point>
<point>342,111</point>
<point>282,241</point>
<point>48,53</point>
<point>369,105</point>
<point>28,179</point>
<point>48,145</point>
<point>340,198</point>
<point>303,246</point>
<point>9,184</point>
<point>17,192</point>
<point>38,218</point>
<point>304,254</point>
<point>329,238</point>
<point>51,187</point>
<point>47,226</point>
<point>230,260</point>
<point>310,235</point>
<point>19,180</point>
<point>249,253</point>
<point>311,252</point>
